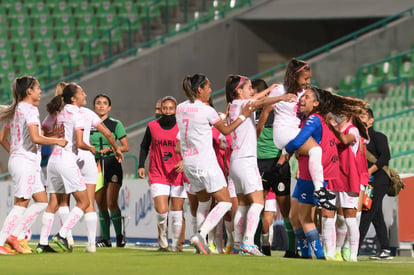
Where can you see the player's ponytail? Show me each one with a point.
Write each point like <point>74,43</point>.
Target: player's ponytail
<point>191,85</point>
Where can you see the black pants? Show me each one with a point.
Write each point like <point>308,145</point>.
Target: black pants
<point>375,216</point>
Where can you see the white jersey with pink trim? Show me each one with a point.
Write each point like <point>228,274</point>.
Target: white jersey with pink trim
<point>91,120</point>
<point>49,123</point>
<point>285,112</point>
<point>72,120</point>
<point>194,122</point>
<point>25,115</point>
<point>244,138</point>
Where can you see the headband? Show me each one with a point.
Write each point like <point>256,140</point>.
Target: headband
<point>241,81</point>
<point>301,68</point>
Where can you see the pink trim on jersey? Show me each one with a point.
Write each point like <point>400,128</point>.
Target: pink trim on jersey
<point>362,164</point>
<point>329,155</point>
<point>215,121</point>
<point>163,157</point>
<point>96,124</point>
<point>348,180</point>
<point>32,123</point>
<point>79,128</point>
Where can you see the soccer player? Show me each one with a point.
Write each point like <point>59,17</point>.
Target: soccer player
<point>24,161</point>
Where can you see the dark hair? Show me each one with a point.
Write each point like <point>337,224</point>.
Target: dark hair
<point>20,87</point>
<point>233,82</point>
<point>370,113</point>
<point>259,84</point>
<point>102,95</point>
<point>191,84</point>
<point>56,104</point>
<point>340,106</point>
<point>294,69</point>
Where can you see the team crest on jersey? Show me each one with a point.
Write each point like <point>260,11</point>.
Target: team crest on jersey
<point>303,196</point>
<point>167,156</point>
<point>281,187</point>
<point>114,178</point>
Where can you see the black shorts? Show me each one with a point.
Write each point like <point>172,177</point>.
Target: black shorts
<point>112,170</point>
<point>275,176</point>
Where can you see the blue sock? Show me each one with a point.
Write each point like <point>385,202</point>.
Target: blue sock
<point>303,243</point>
<point>315,243</point>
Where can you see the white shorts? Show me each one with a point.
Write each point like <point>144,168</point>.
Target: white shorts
<point>345,199</point>
<point>63,175</point>
<point>205,176</point>
<point>87,165</point>
<point>245,175</point>
<point>173,191</point>
<point>231,188</point>
<point>270,205</point>
<point>188,188</point>
<point>282,136</point>
<point>25,174</point>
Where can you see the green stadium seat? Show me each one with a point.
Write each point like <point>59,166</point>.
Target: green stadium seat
<point>61,8</point>
<point>28,67</point>
<point>86,20</point>
<point>84,9</point>
<point>72,48</point>
<point>407,70</point>
<point>104,8</point>
<point>64,21</point>
<point>42,33</point>
<point>126,8</point>
<point>347,83</point>
<point>50,54</point>
<point>51,4</point>
<point>135,20</point>
<point>16,9</point>
<point>65,33</point>
<point>87,33</point>
<point>385,71</point>
<point>31,3</point>
<point>38,9</point>
<point>19,34</point>
<point>18,21</point>
<point>42,19</point>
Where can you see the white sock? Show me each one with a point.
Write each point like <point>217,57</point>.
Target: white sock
<point>229,231</point>
<point>202,211</point>
<point>162,222</point>
<point>265,239</point>
<point>253,218</point>
<point>63,213</point>
<point>315,167</point>
<point>329,236</point>
<point>194,224</point>
<point>211,235</point>
<point>218,241</point>
<point>271,234</point>
<point>239,224</point>
<point>214,217</point>
<point>74,216</point>
<point>341,231</point>
<point>47,223</point>
<point>177,224</point>
<point>91,219</point>
<point>29,217</point>
<point>353,236</point>
<point>11,221</point>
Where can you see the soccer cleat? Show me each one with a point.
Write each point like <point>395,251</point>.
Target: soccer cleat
<point>212,248</point>
<point>163,240</point>
<point>251,249</point>
<point>327,205</point>
<point>14,243</point>
<point>237,251</point>
<point>90,249</point>
<point>44,249</point>
<point>228,249</point>
<point>71,243</point>
<point>176,249</point>
<point>5,251</point>
<point>163,249</point>
<point>200,244</point>
<point>61,242</point>
<point>291,254</point>
<point>322,193</point>
<point>26,248</point>
<point>104,243</point>
<point>266,250</point>
<point>120,241</point>
<point>338,256</point>
<point>346,254</point>
<point>383,255</point>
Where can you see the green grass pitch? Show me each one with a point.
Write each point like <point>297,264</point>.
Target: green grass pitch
<point>132,260</point>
